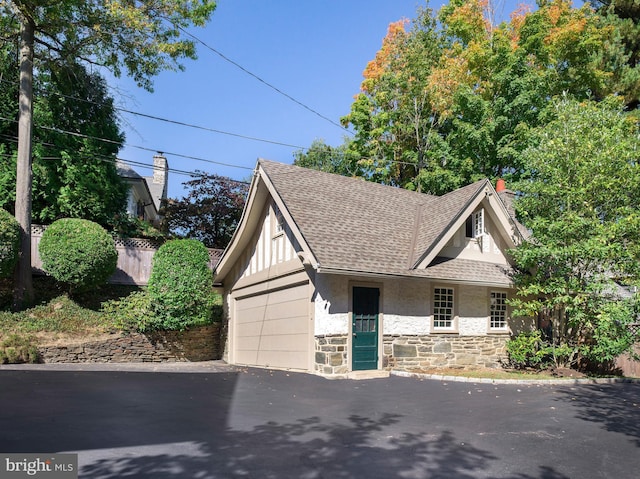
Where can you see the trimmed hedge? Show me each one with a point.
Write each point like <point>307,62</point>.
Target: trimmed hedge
<point>78,252</point>
<point>181,286</point>
<point>9,243</point>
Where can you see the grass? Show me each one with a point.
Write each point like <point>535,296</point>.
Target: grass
<point>55,314</point>
<point>503,374</point>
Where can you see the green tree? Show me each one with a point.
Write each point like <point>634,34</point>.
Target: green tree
<point>142,38</point>
<point>580,200</point>
<point>339,160</point>
<point>209,212</point>
<point>74,173</point>
<point>454,98</point>
<point>9,243</point>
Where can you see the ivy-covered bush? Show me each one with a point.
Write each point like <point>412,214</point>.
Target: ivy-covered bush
<point>181,286</point>
<point>18,349</point>
<point>9,243</point>
<point>78,252</point>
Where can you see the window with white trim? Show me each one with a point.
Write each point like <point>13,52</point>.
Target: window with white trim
<point>474,226</point>
<point>478,223</point>
<point>498,310</point>
<point>443,308</point>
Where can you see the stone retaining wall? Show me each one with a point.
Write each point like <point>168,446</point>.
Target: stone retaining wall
<point>407,353</point>
<point>198,344</point>
<point>331,355</point>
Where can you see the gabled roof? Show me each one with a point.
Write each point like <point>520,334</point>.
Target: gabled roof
<point>350,225</point>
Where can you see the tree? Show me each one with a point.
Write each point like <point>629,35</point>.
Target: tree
<point>454,98</point>
<point>209,212</point>
<point>143,38</point>
<point>581,202</point>
<point>75,145</point>
<point>339,160</point>
<point>9,243</point>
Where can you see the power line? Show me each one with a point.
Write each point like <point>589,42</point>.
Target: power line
<point>104,158</point>
<point>245,137</point>
<point>154,150</point>
<point>176,122</point>
<point>237,65</point>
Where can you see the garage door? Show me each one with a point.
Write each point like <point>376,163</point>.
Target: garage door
<point>272,329</point>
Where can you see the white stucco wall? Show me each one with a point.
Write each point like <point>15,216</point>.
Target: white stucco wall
<point>331,311</point>
<point>406,306</point>
<point>473,310</point>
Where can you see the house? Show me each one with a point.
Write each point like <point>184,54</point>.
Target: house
<point>329,274</point>
<point>146,193</point>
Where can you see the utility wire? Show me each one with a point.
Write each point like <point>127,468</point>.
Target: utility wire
<point>103,158</point>
<point>237,65</point>
<point>237,135</point>
<point>175,122</point>
<point>104,140</point>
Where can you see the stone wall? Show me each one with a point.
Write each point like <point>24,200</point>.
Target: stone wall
<point>331,355</point>
<point>198,344</point>
<point>408,353</point>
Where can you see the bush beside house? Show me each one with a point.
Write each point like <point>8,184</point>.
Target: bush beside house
<point>181,286</point>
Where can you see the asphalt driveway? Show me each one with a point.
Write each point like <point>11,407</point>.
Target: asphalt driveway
<point>212,421</point>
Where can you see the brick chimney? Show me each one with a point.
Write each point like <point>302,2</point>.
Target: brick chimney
<point>507,196</point>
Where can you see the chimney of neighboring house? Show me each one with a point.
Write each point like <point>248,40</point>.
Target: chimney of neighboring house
<point>160,172</point>
<point>507,196</point>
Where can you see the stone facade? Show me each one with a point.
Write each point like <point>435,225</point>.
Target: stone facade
<point>331,355</point>
<point>198,344</point>
<point>409,353</point>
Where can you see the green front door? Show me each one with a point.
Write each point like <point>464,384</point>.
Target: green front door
<point>366,306</point>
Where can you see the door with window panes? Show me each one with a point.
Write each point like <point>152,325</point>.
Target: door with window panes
<point>365,314</point>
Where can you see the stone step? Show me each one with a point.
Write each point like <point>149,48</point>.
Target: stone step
<point>369,374</point>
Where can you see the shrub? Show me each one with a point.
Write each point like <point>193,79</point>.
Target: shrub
<point>18,349</point>
<point>529,350</point>
<point>78,252</point>
<point>9,243</point>
<point>131,313</point>
<point>526,350</point>
<point>181,286</point>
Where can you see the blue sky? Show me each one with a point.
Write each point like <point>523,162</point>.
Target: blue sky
<point>314,51</point>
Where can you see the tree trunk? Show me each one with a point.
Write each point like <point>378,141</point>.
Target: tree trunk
<point>23,292</point>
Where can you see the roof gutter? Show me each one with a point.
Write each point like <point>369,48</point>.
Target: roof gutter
<point>372,274</point>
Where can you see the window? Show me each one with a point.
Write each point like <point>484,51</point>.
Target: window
<point>279,228</point>
<point>474,227</point>
<point>498,310</point>
<point>478,223</point>
<point>443,308</point>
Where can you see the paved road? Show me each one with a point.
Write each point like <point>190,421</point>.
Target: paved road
<point>209,421</point>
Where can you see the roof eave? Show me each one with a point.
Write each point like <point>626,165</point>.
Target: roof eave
<point>409,275</point>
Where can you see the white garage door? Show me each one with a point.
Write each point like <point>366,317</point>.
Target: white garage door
<point>272,329</point>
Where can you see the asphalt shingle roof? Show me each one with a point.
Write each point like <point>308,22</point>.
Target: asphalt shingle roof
<point>355,225</point>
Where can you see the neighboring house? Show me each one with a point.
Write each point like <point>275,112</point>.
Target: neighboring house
<point>146,192</point>
<point>330,274</point>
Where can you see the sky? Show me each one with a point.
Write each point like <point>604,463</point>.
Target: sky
<point>312,51</point>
